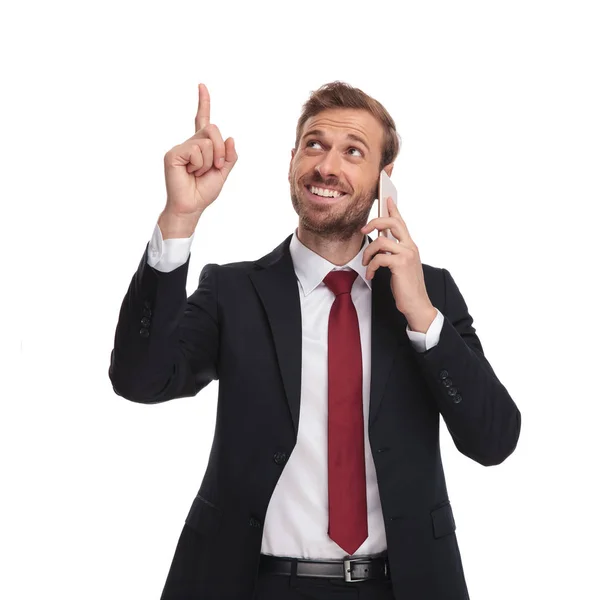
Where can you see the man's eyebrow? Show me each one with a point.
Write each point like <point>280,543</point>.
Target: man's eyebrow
<point>350,136</point>
<point>357,138</point>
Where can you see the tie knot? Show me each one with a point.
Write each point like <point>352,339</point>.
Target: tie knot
<point>340,282</point>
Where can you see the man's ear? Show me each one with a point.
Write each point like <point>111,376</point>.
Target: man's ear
<point>290,169</point>
<point>388,169</point>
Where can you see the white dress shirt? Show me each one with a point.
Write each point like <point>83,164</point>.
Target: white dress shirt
<point>297,517</point>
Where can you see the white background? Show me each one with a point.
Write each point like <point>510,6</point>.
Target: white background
<point>497,104</point>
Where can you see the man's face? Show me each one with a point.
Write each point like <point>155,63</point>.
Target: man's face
<point>339,150</point>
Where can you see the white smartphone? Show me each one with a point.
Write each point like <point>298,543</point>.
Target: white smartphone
<point>386,189</point>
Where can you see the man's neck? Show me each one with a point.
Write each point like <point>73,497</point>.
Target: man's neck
<point>336,251</point>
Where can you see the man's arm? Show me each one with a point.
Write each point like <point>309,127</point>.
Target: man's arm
<point>482,418</point>
<point>166,345</point>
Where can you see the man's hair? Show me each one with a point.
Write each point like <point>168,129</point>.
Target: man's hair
<point>342,95</point>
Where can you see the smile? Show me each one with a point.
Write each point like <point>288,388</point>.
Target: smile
<point>323,195</point>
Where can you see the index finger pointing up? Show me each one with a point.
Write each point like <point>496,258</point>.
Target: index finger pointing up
<point>203,114</point>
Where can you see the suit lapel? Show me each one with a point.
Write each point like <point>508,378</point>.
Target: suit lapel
<point>277,287</point>
<point>388,330</point>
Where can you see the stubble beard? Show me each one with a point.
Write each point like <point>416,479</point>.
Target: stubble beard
<point>326,220</point>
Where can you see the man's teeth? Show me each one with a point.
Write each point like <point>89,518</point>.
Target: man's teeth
<point>325,192</point>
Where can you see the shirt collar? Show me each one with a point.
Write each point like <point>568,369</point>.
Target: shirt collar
<point>312,268</point>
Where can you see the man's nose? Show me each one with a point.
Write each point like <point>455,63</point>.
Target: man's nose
<point>329,166</point>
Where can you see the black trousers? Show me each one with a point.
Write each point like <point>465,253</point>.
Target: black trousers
<point>292,587</point>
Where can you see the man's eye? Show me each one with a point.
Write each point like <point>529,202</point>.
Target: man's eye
<point>356,150</point>
<point>312,142</point>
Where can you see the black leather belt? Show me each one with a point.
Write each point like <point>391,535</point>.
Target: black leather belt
<point>349,569</point>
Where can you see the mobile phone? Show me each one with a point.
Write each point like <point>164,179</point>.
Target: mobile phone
<point>386,189</point>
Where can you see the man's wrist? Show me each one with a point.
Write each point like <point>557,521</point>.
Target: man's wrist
<point>174,225</point>
<point>420,322</point>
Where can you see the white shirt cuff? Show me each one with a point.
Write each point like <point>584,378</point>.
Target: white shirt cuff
<point>427,340</point>
<point>167,255</point>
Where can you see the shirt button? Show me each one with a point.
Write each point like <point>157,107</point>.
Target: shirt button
<point>144,332</point>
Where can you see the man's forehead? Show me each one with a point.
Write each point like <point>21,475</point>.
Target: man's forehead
<point>346,120</point>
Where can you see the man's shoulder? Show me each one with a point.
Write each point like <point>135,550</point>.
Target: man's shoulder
<point>231,271</point>
<point>246,266</point>
<point>431,271</point>
<point>434,282</point>
<point>238,267</point>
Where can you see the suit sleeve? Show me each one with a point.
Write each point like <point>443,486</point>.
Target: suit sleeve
<point>481,416</point>
<point>166,345</point>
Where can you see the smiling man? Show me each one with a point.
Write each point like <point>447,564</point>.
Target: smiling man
<point>335,354</point>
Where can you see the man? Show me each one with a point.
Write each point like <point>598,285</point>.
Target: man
<point>335,355</point>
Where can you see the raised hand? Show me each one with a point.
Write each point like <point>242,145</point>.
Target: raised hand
<point>196,170</point>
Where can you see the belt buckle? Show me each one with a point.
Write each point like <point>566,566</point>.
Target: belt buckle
<point>348,568</point>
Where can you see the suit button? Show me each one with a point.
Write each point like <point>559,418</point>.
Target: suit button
<point>457,398</point>
<point>144,332</point>
<point>147,303</point>
<point>280,458</point>
<point>447,381</point>
<point>443,374</point>
<point>452,391</point>
<point>147,312</point>
<point>145,321</point>
<point>254,522</point>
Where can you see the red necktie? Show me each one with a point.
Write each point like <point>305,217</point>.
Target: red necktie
<point>346,435</point>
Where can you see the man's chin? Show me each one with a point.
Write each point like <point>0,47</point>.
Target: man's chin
<point>327,228</point>
<point>322,220</point>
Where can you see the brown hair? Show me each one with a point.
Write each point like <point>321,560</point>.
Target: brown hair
<point>342,95</point>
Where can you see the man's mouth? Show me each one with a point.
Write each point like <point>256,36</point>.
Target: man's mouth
<point>324,194</point>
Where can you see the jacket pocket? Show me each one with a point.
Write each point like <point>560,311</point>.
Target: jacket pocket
<point>442,520</point>
<point>204,516</point>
